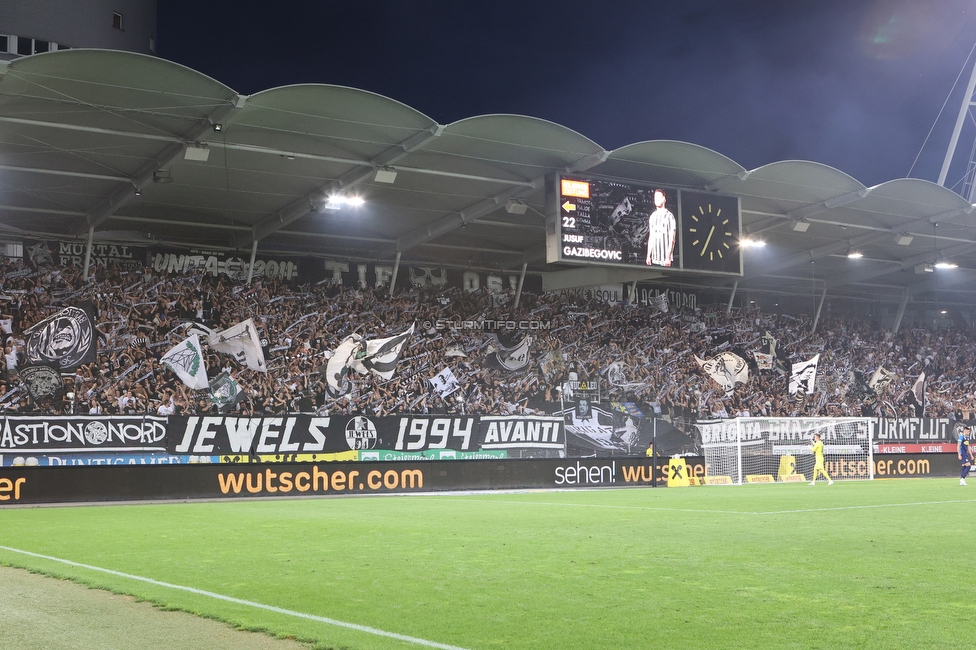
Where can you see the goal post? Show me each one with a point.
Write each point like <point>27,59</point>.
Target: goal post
<point>768,450</point>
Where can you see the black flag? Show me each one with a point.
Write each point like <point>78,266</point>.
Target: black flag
<point>67,339</point>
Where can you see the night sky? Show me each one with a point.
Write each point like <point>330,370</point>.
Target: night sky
<point>853,84</point>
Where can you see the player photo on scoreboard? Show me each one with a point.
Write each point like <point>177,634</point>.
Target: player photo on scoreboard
<point>618,223</point>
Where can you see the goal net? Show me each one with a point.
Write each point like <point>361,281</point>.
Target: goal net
<point>766,450</point>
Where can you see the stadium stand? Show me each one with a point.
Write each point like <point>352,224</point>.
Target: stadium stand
<point>642,354</point>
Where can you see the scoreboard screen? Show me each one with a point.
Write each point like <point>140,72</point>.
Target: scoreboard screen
<point>615,223</point>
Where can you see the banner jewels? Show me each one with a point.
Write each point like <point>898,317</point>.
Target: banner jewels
<point>305,434</point>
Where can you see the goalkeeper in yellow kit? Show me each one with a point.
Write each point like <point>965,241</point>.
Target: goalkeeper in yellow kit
<point>818,466</point>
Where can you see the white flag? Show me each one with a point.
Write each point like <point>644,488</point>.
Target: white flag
<point>660,301</point>
<point>763,361</point>
<point>186,360</point>
<point>727,369</point>
<point>804,376</point>
<point>338,366</point>
<point>445,383</point>
<point>241,341</point>
<point>514,358</point>
<point>382,355</point>
<point>880,380</point>
<point>918,393</point>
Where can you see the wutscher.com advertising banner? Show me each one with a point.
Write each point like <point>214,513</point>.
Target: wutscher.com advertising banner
<point>25,485</point>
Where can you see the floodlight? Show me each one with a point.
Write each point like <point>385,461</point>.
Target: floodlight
<point>516,206</point>
<point>336,201</point>
<point>924,268</point>
<point>903,239</point>
<point>800,225</point>
<point>946,264</point>
<point>855,255</point>
<point>218,128</point>
<point>751,243</point>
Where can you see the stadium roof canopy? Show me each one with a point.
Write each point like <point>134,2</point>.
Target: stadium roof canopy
<point>127,146</point>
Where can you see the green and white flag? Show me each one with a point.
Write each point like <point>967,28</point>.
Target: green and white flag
<point>186,360</point>
<point>225,392</point>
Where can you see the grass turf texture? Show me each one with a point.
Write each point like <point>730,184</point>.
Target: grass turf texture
<point>858,564</point>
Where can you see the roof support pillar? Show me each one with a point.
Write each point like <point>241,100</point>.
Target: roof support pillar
<point>88,251</point>
<point>518,292</point>
<point>816,318</point>
<point>254,254</point>
<point>396,270</point>
<point>735,287</point>
<point>901,311</point>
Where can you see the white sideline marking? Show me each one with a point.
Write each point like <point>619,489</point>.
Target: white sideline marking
<point>877,505</point>
<point>728,512</point>
<point>249,603</point>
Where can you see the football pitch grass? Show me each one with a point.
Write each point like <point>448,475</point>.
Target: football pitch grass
<point>882,564</point>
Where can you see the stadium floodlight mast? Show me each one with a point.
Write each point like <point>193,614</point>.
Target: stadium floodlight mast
<point>775,450</point>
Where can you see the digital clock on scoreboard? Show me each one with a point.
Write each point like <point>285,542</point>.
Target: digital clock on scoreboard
<point>615,223</point>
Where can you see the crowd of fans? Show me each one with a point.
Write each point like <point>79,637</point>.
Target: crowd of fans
<point>639,353</point>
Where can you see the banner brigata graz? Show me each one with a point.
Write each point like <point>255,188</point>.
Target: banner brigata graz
<point>309,434</point>
<point>66,434</point>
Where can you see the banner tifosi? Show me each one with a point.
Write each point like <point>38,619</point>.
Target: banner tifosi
<point>82,434</point>
<point>435,278</point>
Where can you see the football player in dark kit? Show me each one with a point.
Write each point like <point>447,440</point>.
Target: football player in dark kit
<point>965,454</point>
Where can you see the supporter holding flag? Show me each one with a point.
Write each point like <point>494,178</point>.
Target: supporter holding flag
<point>186,360</point>
<point>242,342</point>
<point>67,339</point>
<point>380,356</point>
